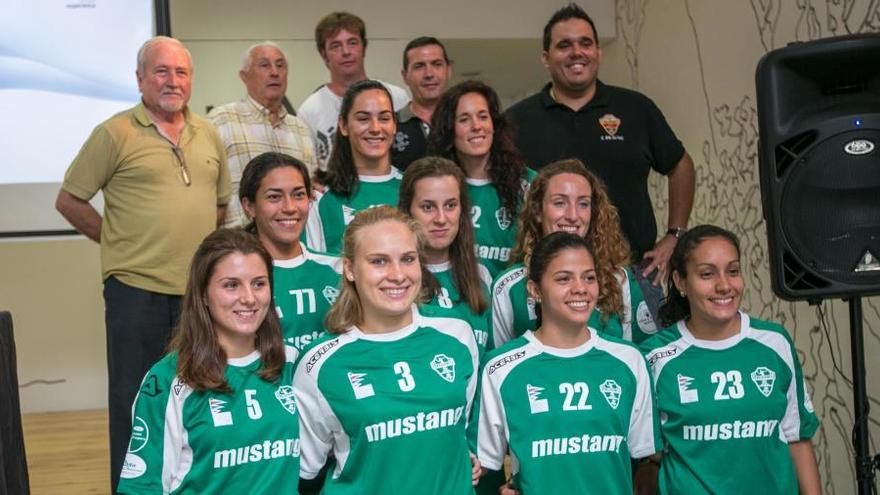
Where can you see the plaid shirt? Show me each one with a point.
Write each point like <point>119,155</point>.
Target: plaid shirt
<point>246,131</point>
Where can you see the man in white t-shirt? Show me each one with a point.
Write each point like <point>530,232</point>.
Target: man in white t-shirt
<point>341,39</point>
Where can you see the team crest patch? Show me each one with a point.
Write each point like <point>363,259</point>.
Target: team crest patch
<point>536,403</point>
<point>401,142</point>
<point>347,214</point>
<point>610,123</point>
<point>284,394</point>
<point>504,218</point>
<point>330,294</point>
<point>444,366</point>
<point>764,379</point>
<point>611,391</point>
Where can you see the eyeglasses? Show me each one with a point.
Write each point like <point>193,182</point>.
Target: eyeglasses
<point>184,171</point>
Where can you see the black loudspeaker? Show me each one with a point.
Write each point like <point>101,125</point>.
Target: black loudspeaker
<point>819,153</point>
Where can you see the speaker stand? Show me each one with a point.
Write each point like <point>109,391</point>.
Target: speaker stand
<point>864,463</point>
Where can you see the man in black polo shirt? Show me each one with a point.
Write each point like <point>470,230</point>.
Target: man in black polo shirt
<point>426,70</point>
<point>618,133</point>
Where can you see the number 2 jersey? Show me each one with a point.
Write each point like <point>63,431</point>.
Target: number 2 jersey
<point>304,289</point>
<point>573,418</point>
<point>184,441</point>
<point>331,212</point>
<point>513,311</point>
<point>393,407</point>
<point>494,225</point>
<point>730,408</point>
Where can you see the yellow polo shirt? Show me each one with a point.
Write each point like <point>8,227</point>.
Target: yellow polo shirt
<point>153,222</point>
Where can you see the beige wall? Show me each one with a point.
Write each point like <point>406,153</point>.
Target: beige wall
<point>697,60</point>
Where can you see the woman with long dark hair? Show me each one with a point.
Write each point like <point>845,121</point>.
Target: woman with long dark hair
<point>434,194</point>
<point>389,390</point>
<point>217,414</point>
<point>359,172</point>
<point>469,129</point>
<point>738,417</point>
<point>275,193</point>
<point>572,406</point>
<point>566,197</point>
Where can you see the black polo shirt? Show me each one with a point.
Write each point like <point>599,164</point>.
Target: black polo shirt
<point>411,140</point>
<point>620,134</point>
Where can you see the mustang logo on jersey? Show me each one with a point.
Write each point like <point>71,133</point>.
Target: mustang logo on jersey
<point>503,217</point>
<point>423,421</point>
<point>330,294</point>
<point>444,366</point>
<point>263,451</point>
<point>764,379</point>
<point>284,394</point>
<point>360,390</point>
<point>611,391</point>
<point>220,417</point>
<point>686,394</point>
<point>536,404</point>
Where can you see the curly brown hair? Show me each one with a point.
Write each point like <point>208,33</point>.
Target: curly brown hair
<point>610,248</point>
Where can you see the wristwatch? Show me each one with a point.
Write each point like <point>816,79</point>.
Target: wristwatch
<point>677,232</point>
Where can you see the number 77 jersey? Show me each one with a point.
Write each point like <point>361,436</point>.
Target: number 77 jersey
<point>572,418</point>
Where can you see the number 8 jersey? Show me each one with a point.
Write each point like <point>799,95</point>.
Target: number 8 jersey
<point>729,409</point>
<point>393,407</point>
<point>572,418</point>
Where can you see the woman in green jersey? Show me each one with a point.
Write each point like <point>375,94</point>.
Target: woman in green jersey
<point>738,418</point>
<point>275,193</point>
<point>566,197</point>
<point>389,390</point>
<point>359,172</point>
<point>433,193</point>
<point>217,414</point>
<point>469,129</point>
<point>573,406</point>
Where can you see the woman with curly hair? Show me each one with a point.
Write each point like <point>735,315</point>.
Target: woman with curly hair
<point>469,129</point>
<point>567,197</point>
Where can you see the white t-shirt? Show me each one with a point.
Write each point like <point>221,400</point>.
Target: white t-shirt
<point>321,112</point>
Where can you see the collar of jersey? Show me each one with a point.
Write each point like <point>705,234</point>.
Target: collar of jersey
<point>398,334</point>
<point>243,361</point>
<point>394,174</point>
<point>477,182</point>
<point>293,262</point>
<point>439,267</point>
<point>717,345</point>
<point>563,353</point>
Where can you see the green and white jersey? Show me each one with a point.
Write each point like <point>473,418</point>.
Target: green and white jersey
<point>513,311</point>
<point>572,418</point>
<point>448,303</point>
<point>305,288</point>
<point>184,441</point>
<point>393,408</point>
<point>331,212</point>
<point>729,408</point>
<point>494,226</point>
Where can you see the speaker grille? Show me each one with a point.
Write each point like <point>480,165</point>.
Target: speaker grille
<point>789,151</point>
<point>830,208</point>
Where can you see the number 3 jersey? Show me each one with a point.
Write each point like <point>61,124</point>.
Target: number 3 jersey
<point>304,289</point>
<point>572,418</point>
<point>393,407</point>
<point>729,409</point>
<point>184,441</point>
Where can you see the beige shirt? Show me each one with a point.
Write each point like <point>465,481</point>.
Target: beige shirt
<point>152,222</point>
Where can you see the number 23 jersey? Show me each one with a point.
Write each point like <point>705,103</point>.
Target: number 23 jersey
<point>729,408</point>
<point>393,407</point>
